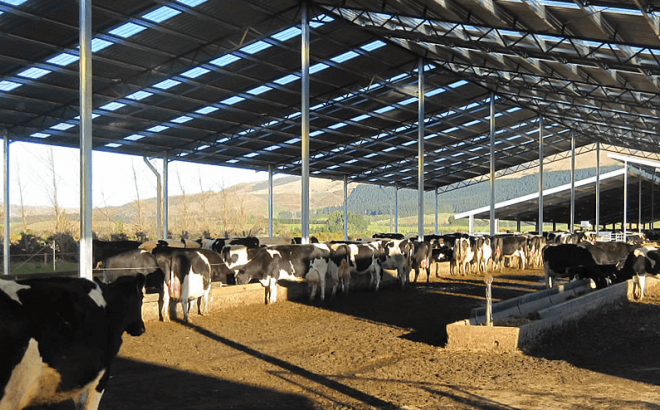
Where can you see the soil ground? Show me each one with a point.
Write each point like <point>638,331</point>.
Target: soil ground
<point>385,350</point>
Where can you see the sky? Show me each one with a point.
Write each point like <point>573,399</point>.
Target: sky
<point>114,177</point>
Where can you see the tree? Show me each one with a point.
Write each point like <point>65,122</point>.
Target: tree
<point>356,222</point>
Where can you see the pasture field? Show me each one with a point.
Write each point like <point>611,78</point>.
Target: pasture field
<point>385,350</point>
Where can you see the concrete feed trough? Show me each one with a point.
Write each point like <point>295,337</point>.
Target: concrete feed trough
<point>521,322</point>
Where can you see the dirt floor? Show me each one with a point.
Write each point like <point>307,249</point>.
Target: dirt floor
<point>386,350</point>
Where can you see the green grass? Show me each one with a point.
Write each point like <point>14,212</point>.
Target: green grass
<point>38,267</point>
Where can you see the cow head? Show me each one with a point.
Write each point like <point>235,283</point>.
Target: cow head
<point>242,276</point>
<point>124,302</point>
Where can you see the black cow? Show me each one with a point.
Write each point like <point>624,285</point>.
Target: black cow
<point>610,253</point>
<point>188,275</point>
<point>59,336</point>
<point>388,235</point>
<point>134,262</point>
<point>421,259</point>
<point>564,260</point>
<point>298,240</point>
<point>105,249</point>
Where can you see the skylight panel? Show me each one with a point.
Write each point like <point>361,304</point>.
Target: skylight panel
<point>286,79</point>
<point>397,77</point>
<point>405,144</point>
<point>182,119</point>
<point>317,67</point>
<point>161,14</point>
<point>63,126</point>
<point>255,47</point>
<point>389,149</point>
<point>127,30</point>
<point>94,116</point>
<point>195,72</point>
<point>251,155</point>
<point>232,100</point>
<point>513,109</point>
<point>618,10</point>
<point>222,140</point>
<point>337,125</point>
<point>157,128</point>
<point>373,45</point>
<point>232,161</point>
<point>99,44</point>
<point>317,106</point>
<point>563,4</point>
<point>458,84</point>
<point>259,90</point>
<point>384,109</point>
<point>184,154</point>
<point>287,34</point>
<point>320,20</point>
<point>33,73</point>
<point>452,129</point>
<point>112,106</point>
<point>225,60</point>
<point>373,154</point>
<point>192,3</point>
<point>139,95</point>
<point>408,101</point>
<point>351,161</point>
<point>330,168</point>
<point>13,2</point>
<point>292,141</point>
<point>134,137</point>
<point>167,84</point>
<point>316,133</point>
<point>40,135</point>
<point>388,175</point>
<point>63,59</point>
<point>341,58</point>
<point>112,145</point>
<point>207,110</point>
<point>203,147</point>
<point>294,115</point>
<point>471,123</point>
<point>272,148</point>
<point>434,92</point>
<point>360,117</point>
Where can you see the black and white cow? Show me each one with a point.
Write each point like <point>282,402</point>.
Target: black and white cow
<point>188,274</point>
<point>421,259</point>
<point>508,247</point>
<point>364,258</point>
<point>309,263</point>
<point>535,244</point>
<point>134,262</point>
<point>59,336</point>
<point>104,249</point>
<point>397,255</point>
<point>484,253</point>
<point>217,244</point>
<point>610,253</point>
<point>170,243</point>
<point>388,235</point>
<point>638,264</point>
<point>464,254</point>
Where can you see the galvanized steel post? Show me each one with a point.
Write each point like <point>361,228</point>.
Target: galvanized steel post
<point>345,207</point>
<point>5,182</point>
<point>625,202</point>
<point>572,218</point>
<point>597,187</point>
<point>492,164</point>
<point>304,126</point>
<point>85,39</point>
<point>166,194</point>
<point>270,201</point>
<point>420,150</point>
<point>540,223</point>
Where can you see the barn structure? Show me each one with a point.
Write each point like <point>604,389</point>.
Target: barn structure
<point>430,95</point>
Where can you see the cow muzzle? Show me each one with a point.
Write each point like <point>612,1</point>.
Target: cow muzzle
<point>136,329</point>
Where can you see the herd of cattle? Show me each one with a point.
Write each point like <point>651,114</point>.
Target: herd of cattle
<point>45,323</point>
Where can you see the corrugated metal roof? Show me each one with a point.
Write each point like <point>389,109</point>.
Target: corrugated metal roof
<point>218,82</point>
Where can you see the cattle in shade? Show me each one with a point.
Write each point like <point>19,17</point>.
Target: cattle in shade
<point>421,259</point>
<point>134,262</point>
<point>483,253</point>
<point>364,258</point>
<point>397,255</point>
<point>507,247</point>
<point>216,244</point>
<point>464,254</point>
<point>308,263</point>
<point>188,274</point>
<point>59,336</point>
<point>104,249</point>
<point>170,243</point>
<point>388,235</point>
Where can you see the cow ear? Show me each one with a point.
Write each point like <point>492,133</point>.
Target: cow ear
<point>234,258</point>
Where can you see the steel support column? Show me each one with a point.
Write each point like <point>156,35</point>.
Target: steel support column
<point>270,201</point>
<point>437,211</point>
<point>304,126</point>
<point>492,163</point>
<point>625,203</point>
<point>345,207</point>
<point>396,208</point>
<point>420,150</point>
<point>5,182</point>
<point>597,187</point>
<point>572,218</point>
<point>85,39</point>
<point>159,198</point>
<point>639,205</point>
<point>540,222</point>
<point>166,197</point>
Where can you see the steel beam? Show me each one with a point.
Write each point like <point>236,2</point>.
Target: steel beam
<point>86,257</point>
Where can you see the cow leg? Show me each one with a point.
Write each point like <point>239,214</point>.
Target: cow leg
<point>416,274</point>
<point>164,304</point>
<point>273,290</point>
<point>90,398</point>
<point>377,272</point>
<point>185,304</point>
